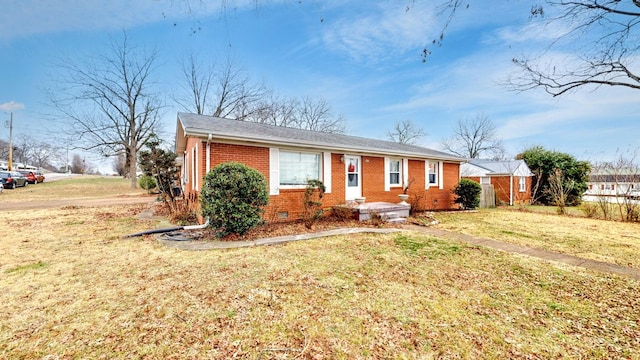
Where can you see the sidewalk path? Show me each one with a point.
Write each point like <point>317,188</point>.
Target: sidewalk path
<point>533,252</point>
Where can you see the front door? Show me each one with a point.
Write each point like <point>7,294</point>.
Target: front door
<point>354,177</point>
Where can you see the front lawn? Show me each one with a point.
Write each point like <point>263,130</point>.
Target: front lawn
<point>601,240</point>
<point>73,288</point>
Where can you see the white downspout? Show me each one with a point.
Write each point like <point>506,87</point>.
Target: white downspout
<point>510,190</point>
<point>208,160</point>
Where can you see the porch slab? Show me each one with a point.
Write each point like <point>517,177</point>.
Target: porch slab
<point>386,210</point>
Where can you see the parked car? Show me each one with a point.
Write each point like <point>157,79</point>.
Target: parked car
<point>634,194</point>
<point>29,175</point>
<point>12,179</point>
<point>39,175</point>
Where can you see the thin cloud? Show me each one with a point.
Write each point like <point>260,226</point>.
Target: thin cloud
<point>21,19</point>
<point>380,30</point>
<point>11,106</point>
<point>531,32</point>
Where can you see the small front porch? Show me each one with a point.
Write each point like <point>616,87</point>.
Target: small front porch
<point>390,212</point>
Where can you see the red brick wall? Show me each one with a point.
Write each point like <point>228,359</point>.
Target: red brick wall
<point>522,197</point>
<point>290,200</point>
<point>501,187</point>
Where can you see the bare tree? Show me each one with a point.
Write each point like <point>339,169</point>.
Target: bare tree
<point>225,90</point>
<point>222,90</point>
<point>120,165</point>
<point>4,149</point>
<point>41,153</point>
<point>406,132</point>
<point>77,164</point>
<point>307,113</point>
<point>22,146</point>
<point>276,111</point>
<point>316,115</point>
<point>474,137</point>
<point>559,190</point>
<point>603,35</point>
<point>614,182</point>
<point>199,82</point>
<point>111,102</point>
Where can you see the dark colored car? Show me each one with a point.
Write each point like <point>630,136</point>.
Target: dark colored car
<point>634,194</point>
<point>12,179</point>
<point>29,175</point>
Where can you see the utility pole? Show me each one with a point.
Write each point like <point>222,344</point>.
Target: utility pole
<point>9,124</point>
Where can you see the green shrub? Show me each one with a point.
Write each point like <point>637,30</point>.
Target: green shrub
<point>468,194</point>
<point>233,198</point>
<point>147,182</point>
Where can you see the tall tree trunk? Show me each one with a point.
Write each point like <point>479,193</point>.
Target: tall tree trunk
<point>133,163</point>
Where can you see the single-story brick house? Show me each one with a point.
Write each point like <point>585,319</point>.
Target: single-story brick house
<point>511,179</point>
<point>350,167</point>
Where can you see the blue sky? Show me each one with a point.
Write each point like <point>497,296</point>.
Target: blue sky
<point>362,57</point>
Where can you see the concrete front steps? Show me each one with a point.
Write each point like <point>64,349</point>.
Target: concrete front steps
<point>390,212</point>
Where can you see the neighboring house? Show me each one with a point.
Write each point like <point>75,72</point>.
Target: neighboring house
<point>511,179</point>
<point>613,182</point>
<point>350,167</point>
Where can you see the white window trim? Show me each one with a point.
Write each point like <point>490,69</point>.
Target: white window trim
<point>387,173</point>
<point>522,184</point>
<point>439,174</point>
<point>274,170</point>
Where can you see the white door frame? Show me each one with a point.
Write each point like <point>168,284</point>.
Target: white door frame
<point>353,176</point>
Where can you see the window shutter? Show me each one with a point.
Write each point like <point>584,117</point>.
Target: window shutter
<point>326,168</point>
<point>405,173</point>
<point>426,174</point>
<point>274,171</point>
<point>440,175</point>
<point>387,184</point>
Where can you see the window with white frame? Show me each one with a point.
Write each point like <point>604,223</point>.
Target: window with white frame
<point>296,168</point>
<point>394,172</point>
<point>523,184</point>
<point>433,173</point>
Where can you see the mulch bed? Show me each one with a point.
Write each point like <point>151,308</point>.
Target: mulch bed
<point>269,230</point>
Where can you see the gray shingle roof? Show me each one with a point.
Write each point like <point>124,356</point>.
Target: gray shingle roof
<point>495,168</point>
<point>202,126</point>
<point>498,167</point>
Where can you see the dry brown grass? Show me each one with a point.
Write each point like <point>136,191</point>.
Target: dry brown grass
<point>70,288</point>
<point>84,187</point>
<point>608,241</point>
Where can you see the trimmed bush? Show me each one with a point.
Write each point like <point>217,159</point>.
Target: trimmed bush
<point>147,182</point>
<point>233,198</point>
<point>468,194</point>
